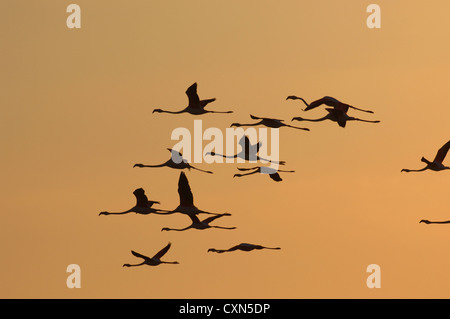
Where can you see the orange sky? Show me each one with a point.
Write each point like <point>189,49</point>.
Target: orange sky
<point>76,115</point>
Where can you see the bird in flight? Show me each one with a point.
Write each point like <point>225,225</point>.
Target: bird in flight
<point>269,122</point>
<point>143,205</point>
<point>327,100</point>
<point>204,224</point>
<point>249,152</point>
<point>243,247</point>
<point>154,261</point>
<point>436,164</point>
<point>186,205</point>
<point>273,173</point>
<point>428,222</point>
<point>338,115</point>
<point>425,221</point>
<point>176,161</point>
<point>195,106</point>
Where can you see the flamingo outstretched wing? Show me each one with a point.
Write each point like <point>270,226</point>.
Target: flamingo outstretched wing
<point>176,156</point>
<point>184,191</point>
<point>162,252</point>
<point>194,100</point>
<point>442,153</point>
<point>276,177</point>
<point>141,198</point>
<point>139,255</point>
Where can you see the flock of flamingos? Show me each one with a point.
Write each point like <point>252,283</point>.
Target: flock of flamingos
<point>337,112</point>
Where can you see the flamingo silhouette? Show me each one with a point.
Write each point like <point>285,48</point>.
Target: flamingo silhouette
<point>154,261</point>
<point>428,222</point>
<point>186,205</point>
<point>327,100</point>
<point>204,224</point>
<point>273,173</point>
<point>248,153</point>
<point>436,164</point>
<point>337,114</point>
<point>176,161</point>
<point>195,106</point>
<point>143,205</point>
<point>243,247</point>
<point>269,122</point>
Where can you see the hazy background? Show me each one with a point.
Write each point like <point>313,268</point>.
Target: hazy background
<point>76,115</point>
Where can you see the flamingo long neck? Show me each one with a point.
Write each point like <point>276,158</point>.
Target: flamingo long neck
<point>253,124</point>
<point>118,213</point>
<point>172,112</point>
<point>416,170</point>
<point>162,212</point>
<point>306,103</point>
<point>182,229</point>
<point>220,112</point>
<point>312,120</point>
<point>134,265</point>
<point>157,165</point>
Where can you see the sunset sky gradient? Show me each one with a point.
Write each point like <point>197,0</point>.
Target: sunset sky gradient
<point>77,114</point>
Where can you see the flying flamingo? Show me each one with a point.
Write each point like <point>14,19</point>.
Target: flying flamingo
<point>176,161</point>
<point>204,224</point>
<point>428,222</point>
<point>155,260</point>
<point>273,173</point>
<point>327,100</point>
<point>337,114</point>
<point>187,199</point>
<point>143,205</point>
<point>436,164</point>
<point>248,153</point>
<point>269,122</point>
<point>243,247</point>
<point>196,106</point>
